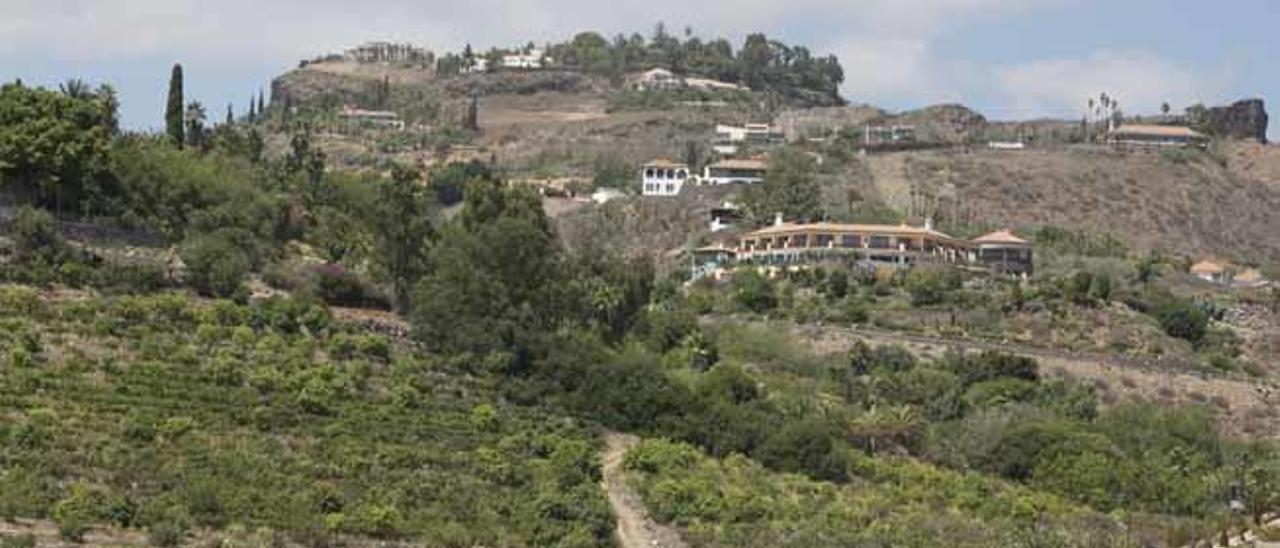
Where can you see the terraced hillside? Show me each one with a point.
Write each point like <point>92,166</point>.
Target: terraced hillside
<point>206,420</point>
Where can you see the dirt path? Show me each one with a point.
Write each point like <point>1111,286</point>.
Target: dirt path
<point>635,529</point>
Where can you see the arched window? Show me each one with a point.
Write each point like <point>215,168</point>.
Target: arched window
<point>682,174</point>
<point>648,173</point>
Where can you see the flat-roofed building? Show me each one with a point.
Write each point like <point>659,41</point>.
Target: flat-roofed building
<point>736,171</point>
<point>1142,135</point>
<point>356,117</point>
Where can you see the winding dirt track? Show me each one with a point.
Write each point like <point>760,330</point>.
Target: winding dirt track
<point>635,529</point>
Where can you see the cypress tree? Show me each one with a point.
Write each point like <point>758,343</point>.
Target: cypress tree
<point>262,104</point>
<point>253,112</point>
<point>231,115</point>
<point>173,114</point>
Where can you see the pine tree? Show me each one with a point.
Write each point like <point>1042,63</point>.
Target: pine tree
<point>253,111</point>
<point>231,115</point>
<point>262,103</point>
<point>174,112</point>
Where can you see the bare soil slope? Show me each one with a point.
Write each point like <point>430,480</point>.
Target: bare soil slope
<point>1180,201</point>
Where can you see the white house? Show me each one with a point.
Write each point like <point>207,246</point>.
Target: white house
<point>533,59</point>
<point>707,84</point>
<point>745,171</point>
<point>729,138</point>
<point>663,178</point>
<point>477,65</point>
<point>658,79</point>
<point>356,117</point>
<point>1210,271</point>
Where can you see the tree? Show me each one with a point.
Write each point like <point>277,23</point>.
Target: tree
<point>262,103</point>
<point>402,233</point>
<point>231,115</point>
<point>1164,108</point>
<point>174,115</point>
<point>497,277</point>
<point>789,188</point>
<point>54,148</point>
<point>195,117</point>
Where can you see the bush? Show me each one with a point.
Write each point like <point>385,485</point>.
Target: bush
<point>1181,318</point>
<point>215,266</point>
<point>753,291</point>
<point>36,236</point>
<point>930,286</point>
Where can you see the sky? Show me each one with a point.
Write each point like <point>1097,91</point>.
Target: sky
<point>1009,59</point>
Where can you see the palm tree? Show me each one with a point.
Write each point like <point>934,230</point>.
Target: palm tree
<point>75,88</point>
<point>195,117</point>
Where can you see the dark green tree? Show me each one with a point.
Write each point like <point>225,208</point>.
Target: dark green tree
<point>174,114</point>
<point>402,232</point>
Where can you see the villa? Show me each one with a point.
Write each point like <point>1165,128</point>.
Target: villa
<point>663,178</point>
<point>1137,135</point>
<point>743,171</point>
<point>787,245</point>
<point>355,117</point>
<point>532,59</point>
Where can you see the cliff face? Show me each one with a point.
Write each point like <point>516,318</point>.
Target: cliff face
<point>1245,119</point>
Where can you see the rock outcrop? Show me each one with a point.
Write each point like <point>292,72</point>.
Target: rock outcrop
<point>1245,119</point>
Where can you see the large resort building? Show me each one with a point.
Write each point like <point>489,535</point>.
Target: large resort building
<point>787,245</point>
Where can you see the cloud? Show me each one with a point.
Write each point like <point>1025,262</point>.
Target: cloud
<point>1140,80</point>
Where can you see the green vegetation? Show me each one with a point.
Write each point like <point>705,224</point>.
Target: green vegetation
<point>761,64</point>
<point>174,416</point>
<point>736,502</point>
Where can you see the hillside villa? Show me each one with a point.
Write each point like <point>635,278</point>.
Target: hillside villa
<point>729,138</point>
<point>1141,135</point>
<point>744,171</point>
<point>531,59</point>
<point>784,245</point>
<point>356,118</point>
<point>384,52</point>
<point>660,79</point>
<point>663,178</point>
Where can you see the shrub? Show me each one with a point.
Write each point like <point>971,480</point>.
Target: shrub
<point>1181,318</point>
<point>930,286</point>
<point>75,512</point>
<point>36,236</point>
<point>753,291</point>
<point>215,266</point>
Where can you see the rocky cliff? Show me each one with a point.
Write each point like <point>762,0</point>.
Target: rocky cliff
<point>1245,119</point>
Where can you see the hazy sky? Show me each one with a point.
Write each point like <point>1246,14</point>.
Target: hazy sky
<point>1008,58</point>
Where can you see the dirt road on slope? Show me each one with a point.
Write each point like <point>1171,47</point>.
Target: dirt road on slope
<point>635,529</point>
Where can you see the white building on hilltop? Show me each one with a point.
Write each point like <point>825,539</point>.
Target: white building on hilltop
<point>532,59</point>
<point>663,178</point>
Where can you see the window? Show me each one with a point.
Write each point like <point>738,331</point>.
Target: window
<point>648,173</point>
<point>824,240</point>
<point>682,174</point>
<point>671,188</point>
<point>880,242</point>
<point>850,241</point>
<point>801,240</point>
